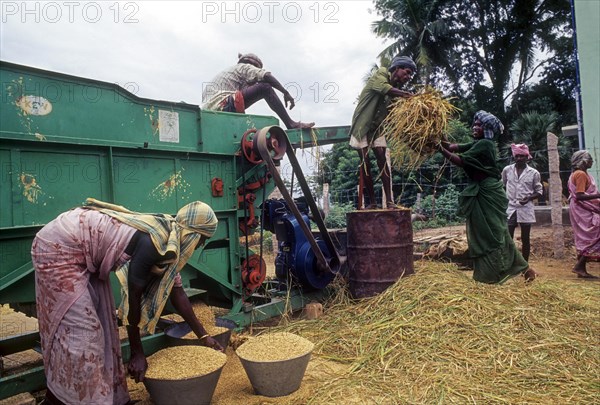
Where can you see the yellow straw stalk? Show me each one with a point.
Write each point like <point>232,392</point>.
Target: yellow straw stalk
<point>414,126</point>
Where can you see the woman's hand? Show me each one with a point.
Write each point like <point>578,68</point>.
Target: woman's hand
<point>209,341</point>
<point>137,366</point>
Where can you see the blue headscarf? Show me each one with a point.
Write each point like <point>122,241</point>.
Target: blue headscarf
<point>489,122</point>
<point>403,62</point>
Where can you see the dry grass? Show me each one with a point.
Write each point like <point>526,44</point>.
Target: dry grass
<point>440,337</point>
<point>415,126</point>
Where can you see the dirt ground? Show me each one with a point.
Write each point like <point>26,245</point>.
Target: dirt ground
<point>542,257</point>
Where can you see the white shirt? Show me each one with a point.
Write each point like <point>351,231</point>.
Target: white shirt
<point>228,82</point>
<point>518,188</point>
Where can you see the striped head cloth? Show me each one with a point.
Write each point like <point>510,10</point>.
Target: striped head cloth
<point>490,124</point>
<point>579,158</point>
<point>174,237</point>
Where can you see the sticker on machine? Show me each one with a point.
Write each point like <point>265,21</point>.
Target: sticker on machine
<point>168,126</point>
<point>34,105</point>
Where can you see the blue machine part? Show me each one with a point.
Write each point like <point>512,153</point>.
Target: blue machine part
<point>295,260</point>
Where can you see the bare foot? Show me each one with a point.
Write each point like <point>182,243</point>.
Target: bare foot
<point>391,205</point>
<point>529,275</point>
<point>301,125</point>
<point>582,274</point>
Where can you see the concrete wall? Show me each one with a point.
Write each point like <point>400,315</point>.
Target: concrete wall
<point>587,22</point>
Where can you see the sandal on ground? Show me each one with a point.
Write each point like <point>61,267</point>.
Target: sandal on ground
<point>391,205</point>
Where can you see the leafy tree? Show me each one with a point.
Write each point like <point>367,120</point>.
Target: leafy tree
<point>501,42</point>
<point>505,42</point>
<point>418,30</point>
<point>532,128</point>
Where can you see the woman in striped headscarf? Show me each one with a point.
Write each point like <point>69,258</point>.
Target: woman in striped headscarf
<point>73,256</point>
<point>483,203</point>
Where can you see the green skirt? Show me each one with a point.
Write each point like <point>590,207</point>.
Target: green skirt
<point>495,257</point>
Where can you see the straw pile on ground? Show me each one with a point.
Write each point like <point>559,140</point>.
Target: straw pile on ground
<point>414,126</point>
<point>440,337</point>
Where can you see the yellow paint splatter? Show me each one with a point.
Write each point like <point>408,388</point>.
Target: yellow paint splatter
<point>149,112</point>
<point>166,189</point>
<point>31,190</point>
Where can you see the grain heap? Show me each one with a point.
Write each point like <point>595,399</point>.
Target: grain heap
<point>182,362</point>
<point>414,127</point>
<point>440,337</point>
<point>206,317</point>
<point>274,347</point>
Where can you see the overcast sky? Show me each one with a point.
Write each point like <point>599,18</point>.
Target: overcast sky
<point>167,50</point>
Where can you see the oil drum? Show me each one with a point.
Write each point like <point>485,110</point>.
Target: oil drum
<point>380,249</point>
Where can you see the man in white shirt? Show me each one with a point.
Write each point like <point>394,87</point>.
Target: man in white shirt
<point>240,86</point>
<point>523,185</point>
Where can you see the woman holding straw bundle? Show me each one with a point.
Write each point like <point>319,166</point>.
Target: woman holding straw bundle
<point>73,256</point>
<point>484,203</point>
<point>584,212</point>
<point>366,131</point>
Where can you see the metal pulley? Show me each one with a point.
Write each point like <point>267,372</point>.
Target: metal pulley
<point>276,145</point>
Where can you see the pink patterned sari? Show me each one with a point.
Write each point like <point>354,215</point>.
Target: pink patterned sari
<point>585,220</point>
<point>73,256</point>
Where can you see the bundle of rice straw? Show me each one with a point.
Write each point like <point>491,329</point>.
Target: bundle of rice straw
<point>415,125</point>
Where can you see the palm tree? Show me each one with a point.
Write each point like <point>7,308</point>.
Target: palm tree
<point>418,31</point>
<point>531,129</point>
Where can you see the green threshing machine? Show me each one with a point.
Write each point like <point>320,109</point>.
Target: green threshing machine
<point>65,138</point>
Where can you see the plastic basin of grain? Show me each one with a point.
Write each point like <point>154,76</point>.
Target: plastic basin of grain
<point>184,375</point>
<point>275,362</point>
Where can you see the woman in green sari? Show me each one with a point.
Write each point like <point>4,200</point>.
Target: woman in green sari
<point>483,203</point>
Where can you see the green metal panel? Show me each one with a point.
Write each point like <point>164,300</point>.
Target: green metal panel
<point>307,138</point>
<point>587,13</point>
<point>221,130</point>
<point>61,108</point>
<point>65,138</point>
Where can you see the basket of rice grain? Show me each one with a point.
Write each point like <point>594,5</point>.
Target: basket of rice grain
<point>181,334</point>
<point>275,362</point>
<point>184,375</point>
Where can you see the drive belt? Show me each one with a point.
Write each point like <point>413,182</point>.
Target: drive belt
<point>271,136</point>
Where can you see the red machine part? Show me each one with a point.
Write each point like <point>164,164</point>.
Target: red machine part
<point>275,145</point>
<point>216,186</point>
<point>253,273</point>
<point>248,147</point>
<point>249,223</point>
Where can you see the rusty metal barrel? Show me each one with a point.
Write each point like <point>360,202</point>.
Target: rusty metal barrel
<point>379,248</point>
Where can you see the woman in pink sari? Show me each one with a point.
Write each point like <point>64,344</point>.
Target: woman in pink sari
<point>584,212</point>
<point>73,256</point>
